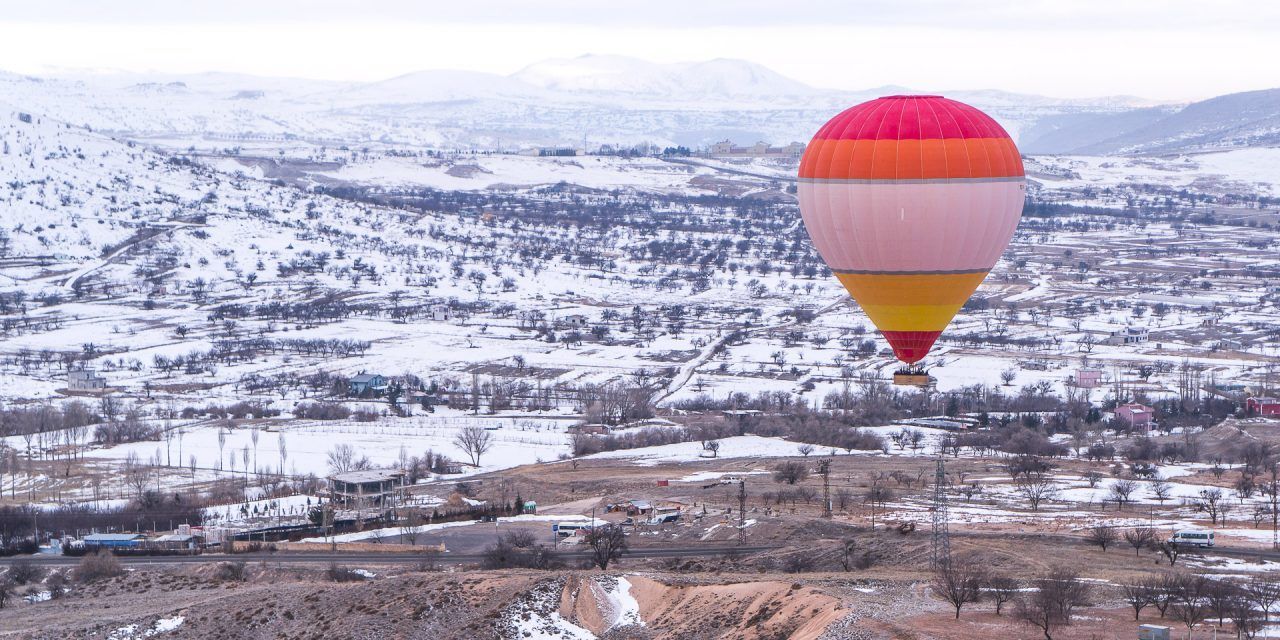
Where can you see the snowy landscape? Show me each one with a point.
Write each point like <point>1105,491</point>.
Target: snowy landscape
<point>573,299</point>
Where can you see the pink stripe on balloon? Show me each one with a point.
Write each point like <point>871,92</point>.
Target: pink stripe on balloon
<point>955,226</point>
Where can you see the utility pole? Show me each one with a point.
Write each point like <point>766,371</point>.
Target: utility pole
<point>824,468</point>
<point>941,536</point>
<point>742,512</point>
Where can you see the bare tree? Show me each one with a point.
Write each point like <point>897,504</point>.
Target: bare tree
<point>1164,592</point>
<point>521,539</point>
<point>1102,535</point>
<point>1121,490</point>
<point>790,472</point>
<point>1053,601</point>
<point>1139,538</point>
<point>713,446</point>
<point>849,557</point>
<point>1221,596</point>
<point>1035,488</point>
<point>877,496</point>
<point>608,542</point>
<point>843,496</point>
<point>1160,489</point>
<point>284,451</point>
<point>1210,502</point>
<point>1248,621</point>
<point>1191,602</point>
<point>1001,590</point>
<point>1264,589</point>
<point>475,441</point>
<point>6,591</point>
<point>135,473</point>
<point>343,458</point>
<point>1139,595</point>
<point>915,440</point>
<point>408,532</point>
<point>959,582</point>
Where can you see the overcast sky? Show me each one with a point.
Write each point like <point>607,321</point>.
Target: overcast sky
<point>1160,49</point>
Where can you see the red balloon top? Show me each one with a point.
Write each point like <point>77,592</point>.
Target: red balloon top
<point>911,138</point>
<point>910,118</point>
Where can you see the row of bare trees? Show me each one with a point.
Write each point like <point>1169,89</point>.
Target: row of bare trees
<point>1047,602</point>
<point>1193,599</point>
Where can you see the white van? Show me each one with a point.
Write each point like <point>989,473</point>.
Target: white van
<point>1201,539</point>
<point>570,529</point>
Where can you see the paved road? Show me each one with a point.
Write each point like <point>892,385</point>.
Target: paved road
<point>373,557</point>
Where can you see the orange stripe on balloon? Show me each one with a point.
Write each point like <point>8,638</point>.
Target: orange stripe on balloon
<point>866,159</point>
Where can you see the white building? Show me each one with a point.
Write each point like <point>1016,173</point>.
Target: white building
<point>575,321</point>
<point>1129,335</point>
<point>85,380</point>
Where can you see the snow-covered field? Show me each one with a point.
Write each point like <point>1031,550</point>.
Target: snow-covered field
<point>121,258</point>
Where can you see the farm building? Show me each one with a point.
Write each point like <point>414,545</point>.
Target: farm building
<point>648,508</point>
<point>575,321</point>
<point>1129,335</point>
<point>85,380</point>
<point>759,149</point>
<point>1263,406</point>
<point>588,429</point>
<point>441,312</point>
<point>1138,416</point>
<point>114,540</point>
<point>178,541</point>
<point>944,423</point>
<point>424,399</point>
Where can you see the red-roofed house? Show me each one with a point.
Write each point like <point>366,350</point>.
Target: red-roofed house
<point>1263,406</point>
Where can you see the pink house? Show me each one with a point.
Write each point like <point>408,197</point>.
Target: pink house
<point>1135,415</point>
<point>1088,378</point>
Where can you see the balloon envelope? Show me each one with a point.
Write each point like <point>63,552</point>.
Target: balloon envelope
<point>911,200</point>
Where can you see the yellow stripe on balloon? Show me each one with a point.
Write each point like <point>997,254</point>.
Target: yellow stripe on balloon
<point>911,288</point>
<point>911,302</point>
<point>918,317</point>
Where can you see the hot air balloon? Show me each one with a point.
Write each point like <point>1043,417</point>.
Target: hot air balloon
<point>911,200</point>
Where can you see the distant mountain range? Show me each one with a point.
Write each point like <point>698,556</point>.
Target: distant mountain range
<point>593,100</point>
<point>1249,119</point>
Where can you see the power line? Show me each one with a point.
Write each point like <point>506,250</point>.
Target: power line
<point>941,535</point>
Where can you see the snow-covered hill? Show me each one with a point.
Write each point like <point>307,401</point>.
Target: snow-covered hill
<point>588,100</point>
<point>1238,120</point>
<point>548,279</point>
